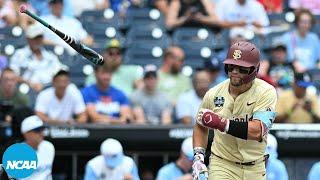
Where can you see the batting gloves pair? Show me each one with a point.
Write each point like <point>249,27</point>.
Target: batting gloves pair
<point>208,118</point>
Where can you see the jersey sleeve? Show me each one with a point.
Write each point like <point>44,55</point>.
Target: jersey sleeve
<point>265,108</point>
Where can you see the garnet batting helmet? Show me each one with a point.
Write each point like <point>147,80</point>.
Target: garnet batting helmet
<point>244,54</point>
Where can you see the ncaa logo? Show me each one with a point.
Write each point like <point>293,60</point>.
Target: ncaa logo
<point>20,160</point>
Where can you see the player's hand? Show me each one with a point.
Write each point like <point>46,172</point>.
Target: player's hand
<point>209,119</point>
<point>199,169</point>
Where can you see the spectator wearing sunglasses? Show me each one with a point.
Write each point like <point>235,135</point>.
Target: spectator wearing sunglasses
<point>124,77</point>
<point>111,164</point>
<point>32,130</point>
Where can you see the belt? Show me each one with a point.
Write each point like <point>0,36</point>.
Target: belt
<point>251,163</point>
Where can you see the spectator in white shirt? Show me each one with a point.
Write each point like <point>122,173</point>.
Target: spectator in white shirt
<point>58,104</point>
<point>189,102</point>
<point>66,24</point>
<point>32,130</point>
<point>240,13</point>
<point>34,65</point>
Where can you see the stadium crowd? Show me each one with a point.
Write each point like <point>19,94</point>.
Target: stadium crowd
<point>43,73</point>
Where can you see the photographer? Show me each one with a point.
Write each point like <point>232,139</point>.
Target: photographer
<point>190,13</point>
<point>296,105</point>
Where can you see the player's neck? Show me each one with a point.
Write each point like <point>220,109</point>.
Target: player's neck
<point>235,91</point>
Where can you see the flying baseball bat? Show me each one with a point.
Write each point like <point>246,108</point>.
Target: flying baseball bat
<point>85,51</point>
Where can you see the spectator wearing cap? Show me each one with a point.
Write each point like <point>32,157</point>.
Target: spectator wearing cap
<point>213,67</point>
<point>150,106</point>
<point>43,9</point>
<point>276,169</point>
<point>241,13</point>
<point>182,167</point>
<point>171,80</point>
<point>32,130</point>
<point>111,164</point>
<point>124,77</point>
<point>68,25</point>
<point>314,173</point>
<point>302,44</point>
<point>105,103</point>
<point>296,105</point>
<point>35,65</point>
<point>7,15</point>
<point>279,69</point>
<point>189,102</point>
<point>10,97</point>
<point>62,103</point>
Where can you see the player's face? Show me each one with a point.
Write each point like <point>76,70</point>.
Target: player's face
<point>237,74</point>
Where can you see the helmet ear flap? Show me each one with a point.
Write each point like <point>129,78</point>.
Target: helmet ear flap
<point>226,69</point>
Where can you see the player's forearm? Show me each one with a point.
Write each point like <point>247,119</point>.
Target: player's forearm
<point>254,130</point>
<point>200,136</point>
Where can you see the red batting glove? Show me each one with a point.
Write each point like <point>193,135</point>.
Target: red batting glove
<point>212,120</point>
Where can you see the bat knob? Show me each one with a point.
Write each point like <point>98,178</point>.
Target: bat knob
<point>100,61</point>
<point>23,9</point>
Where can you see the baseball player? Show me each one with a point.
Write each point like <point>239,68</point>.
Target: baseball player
<point>240,110</point>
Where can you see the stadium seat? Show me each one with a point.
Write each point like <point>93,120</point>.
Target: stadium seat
<point>142,16</point>
<point>143,56</point>
<point>147,36</point>
<point>196,37</point>
<point>277,18</point>
<point>102,32</point>
<point>195,56</point>
<point>77,65</point>
<point>221,40</point>
<point>107,17</point>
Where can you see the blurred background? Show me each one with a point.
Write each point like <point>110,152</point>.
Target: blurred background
<point>161,56</point>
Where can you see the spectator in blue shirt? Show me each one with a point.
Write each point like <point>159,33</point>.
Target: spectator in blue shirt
<point>112,164</point>
<point>276,169</point>
<point>181,168</point>
<point>302,44</point>
<point>104,103</point>
<point>314,173</point>
<point>42,7</point>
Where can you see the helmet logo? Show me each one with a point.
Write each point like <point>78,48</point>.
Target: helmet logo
<point>236,54</point>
